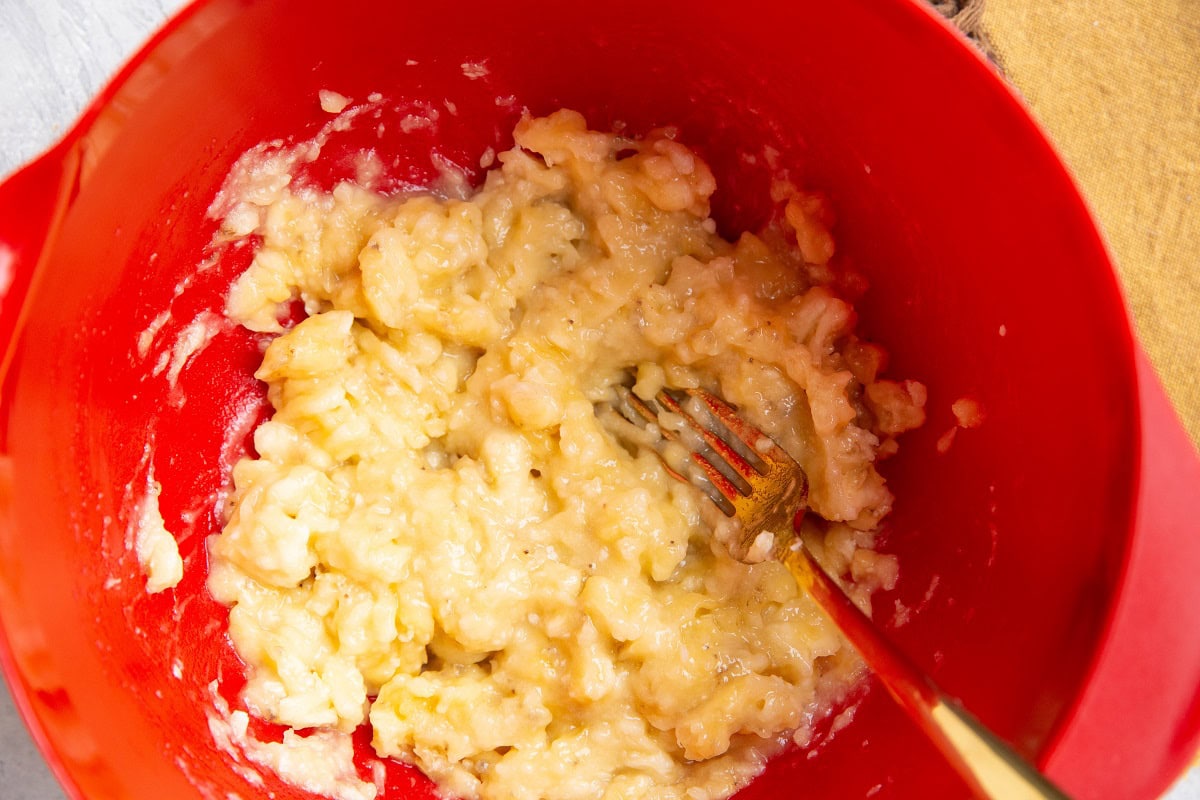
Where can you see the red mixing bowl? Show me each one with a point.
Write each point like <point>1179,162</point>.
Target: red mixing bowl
<point>1049,556</point>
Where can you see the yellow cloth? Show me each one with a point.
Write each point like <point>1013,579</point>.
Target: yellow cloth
<point>1117,86</point>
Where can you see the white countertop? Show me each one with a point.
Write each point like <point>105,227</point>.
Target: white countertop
<point>54,56</point>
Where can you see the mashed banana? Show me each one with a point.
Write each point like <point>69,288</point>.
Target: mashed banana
<point>439,537</point>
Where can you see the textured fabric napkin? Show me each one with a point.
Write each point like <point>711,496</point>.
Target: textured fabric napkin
<point>1116,84</point>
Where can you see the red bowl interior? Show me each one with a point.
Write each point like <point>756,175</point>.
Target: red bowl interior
<point>987,280</point>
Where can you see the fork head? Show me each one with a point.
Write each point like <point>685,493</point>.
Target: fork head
<point>702,440</point>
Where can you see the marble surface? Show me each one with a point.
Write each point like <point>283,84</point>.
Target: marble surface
<point>53,57</point>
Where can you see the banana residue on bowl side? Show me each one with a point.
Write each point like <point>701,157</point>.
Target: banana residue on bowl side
<point>437,535</point>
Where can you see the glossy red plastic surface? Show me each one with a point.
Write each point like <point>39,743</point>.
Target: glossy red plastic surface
<point>1047,557</point>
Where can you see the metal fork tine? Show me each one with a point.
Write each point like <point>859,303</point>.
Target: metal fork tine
<point>726,458</point>
<point>704,474</point>
<point>763,446</point>
<point>694,407</point>
<point>702,441</point>
<point>634,409</point>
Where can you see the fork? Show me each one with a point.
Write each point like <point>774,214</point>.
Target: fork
<point>702,440</point>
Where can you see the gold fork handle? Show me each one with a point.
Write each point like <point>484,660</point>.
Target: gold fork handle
<point>989,766</point>
<point>992,767</point>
